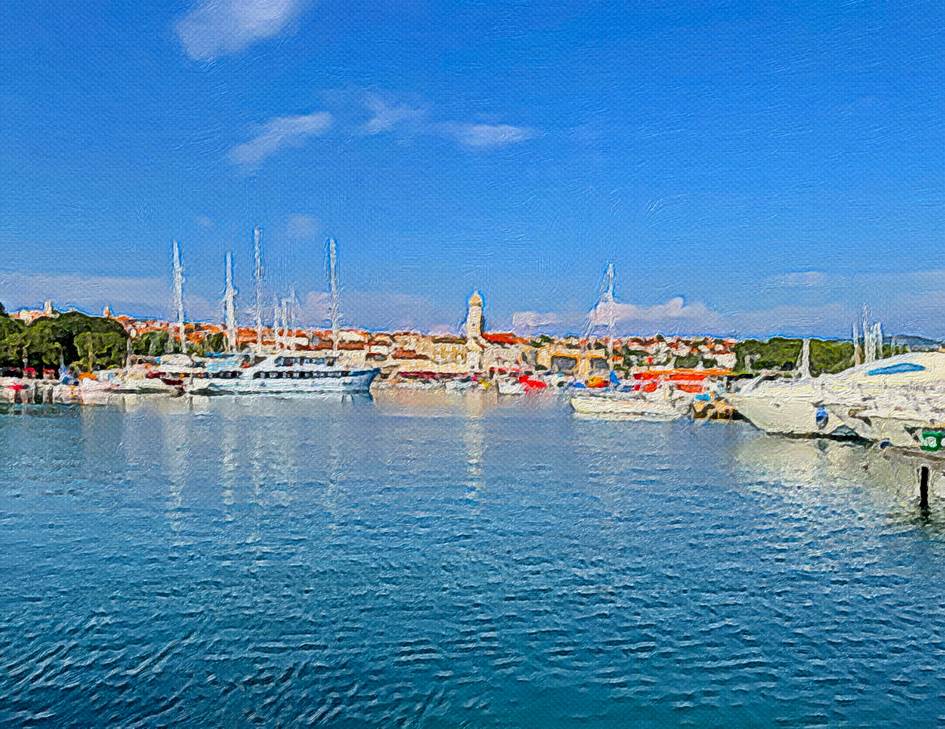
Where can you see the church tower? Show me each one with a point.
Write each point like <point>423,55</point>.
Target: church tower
<point>474,343</point>
<point>474,317</point>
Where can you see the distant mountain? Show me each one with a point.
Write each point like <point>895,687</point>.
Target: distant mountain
<point>915,343</point>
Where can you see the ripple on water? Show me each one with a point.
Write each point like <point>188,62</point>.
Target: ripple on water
<point>358,566</point>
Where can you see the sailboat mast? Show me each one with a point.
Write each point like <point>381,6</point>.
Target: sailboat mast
<point>257,253</point>
<point>803,362</point>
<point>290,312</point>
<point>284,321</point>
<point>229,304</point>
<point>611,316</point>
<point>179,296</point>
<point>333,283</point>
<point>869,345</point>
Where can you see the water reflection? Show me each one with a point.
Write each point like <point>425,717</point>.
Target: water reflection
<point>230,461</point>
<point>827,471</point>
<point>176,449</point>
<point>348,562</point>
<point>474,446</point>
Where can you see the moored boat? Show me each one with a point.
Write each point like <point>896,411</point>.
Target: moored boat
<point>805,406</point>
<point>285,373</point>
<point>631,405</point>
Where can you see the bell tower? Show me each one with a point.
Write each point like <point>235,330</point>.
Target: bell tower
<point>474,342</point>
<point>474,317</point>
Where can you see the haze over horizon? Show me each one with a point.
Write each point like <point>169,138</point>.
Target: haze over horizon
<point>750,169</point>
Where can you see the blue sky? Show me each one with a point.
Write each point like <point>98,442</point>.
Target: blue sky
<point>749,167</point>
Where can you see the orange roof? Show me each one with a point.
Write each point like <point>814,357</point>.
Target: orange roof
<point>503,338</point>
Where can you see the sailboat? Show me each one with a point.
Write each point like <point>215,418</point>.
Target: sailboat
<point>635,405</point>
<point>291,372</point>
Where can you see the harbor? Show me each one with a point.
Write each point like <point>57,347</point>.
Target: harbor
<point>874,391</point>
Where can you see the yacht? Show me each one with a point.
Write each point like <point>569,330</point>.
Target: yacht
<point>284,373</point>
<point>813,406</point>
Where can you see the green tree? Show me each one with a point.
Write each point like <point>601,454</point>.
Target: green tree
<point>215,342</point>
<point>778,353</point>
<point>151,344</point>
<point>827,357</point>
<point>52,338</point>
<point>11,341</point>
<point>41,349</point>
<point>100,350</point>
<point>689,360</point>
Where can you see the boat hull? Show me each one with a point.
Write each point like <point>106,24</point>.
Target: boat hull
<point>783,414</point>
<point>897,428</point>
<point>355,381</point>
<point>636,408</point>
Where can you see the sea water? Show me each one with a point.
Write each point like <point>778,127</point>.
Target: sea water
<point>437,560</point>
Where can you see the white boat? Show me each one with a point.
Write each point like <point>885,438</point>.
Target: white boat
<point>461,385</point>
<point>657,406</point>
<point>285,373</point>
<point>508,386</point>
<point>799,407</point>
<point>146,380</point>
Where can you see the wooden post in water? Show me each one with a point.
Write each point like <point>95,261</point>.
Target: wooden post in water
<point>924,487</point>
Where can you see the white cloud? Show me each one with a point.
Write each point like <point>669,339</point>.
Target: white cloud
<point>215,28</point>
<point>386,115</point>
<point>314,308</point>
<point>673,311</point>
<point>205,221</point>
<point>300,226</point>
<point>485,136</point>
<point>278,133</point>
<point>672,316</point>
<point>526,320</point>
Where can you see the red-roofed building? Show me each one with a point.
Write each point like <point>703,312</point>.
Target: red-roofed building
<point>503,338</point>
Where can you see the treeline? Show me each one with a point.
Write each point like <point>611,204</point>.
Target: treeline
<point>75,339</point>
<point>779,353</point>
<point>154,344</point>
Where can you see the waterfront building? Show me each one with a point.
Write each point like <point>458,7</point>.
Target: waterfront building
<point>449,350</point>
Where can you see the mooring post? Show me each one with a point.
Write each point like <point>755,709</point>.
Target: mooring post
<point>924,487</point>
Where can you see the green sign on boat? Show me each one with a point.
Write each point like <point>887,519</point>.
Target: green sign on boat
<point>932,440</point>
